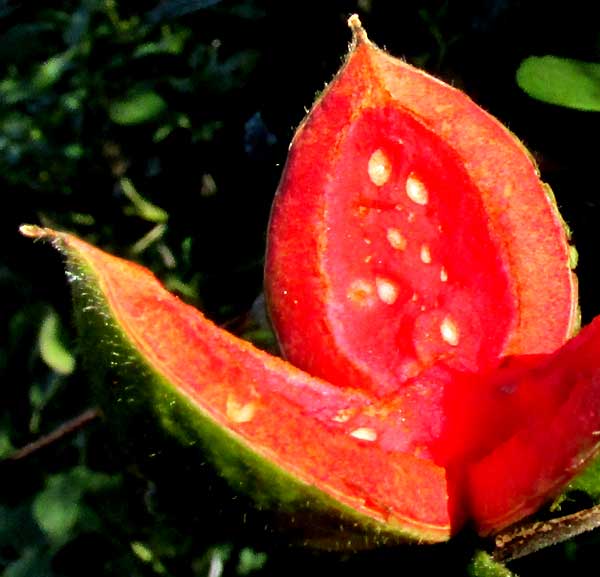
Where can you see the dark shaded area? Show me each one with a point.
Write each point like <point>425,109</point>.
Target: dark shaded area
<point>194,103</point>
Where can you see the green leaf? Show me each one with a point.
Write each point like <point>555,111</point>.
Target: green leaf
<point>6,447</point>
<point>588,481</point>
<point>33,561</point>
<point>52,350</point>
<point>74,151</point>
<point>250,561</point>
<point>143,207</point>
<point>137,108</point>
<point>51,71</point>
<point>58,507</point>
<point>170,43</point>
<point>162,133</point>
<point>142,551</point>
<point>145,554</point>
<point>562,81</point>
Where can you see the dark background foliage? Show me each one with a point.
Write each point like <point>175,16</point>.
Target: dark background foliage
<point>158,130</point>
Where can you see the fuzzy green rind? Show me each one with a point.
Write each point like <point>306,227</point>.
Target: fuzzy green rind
<point>483,565</point>
<point>136,397</point>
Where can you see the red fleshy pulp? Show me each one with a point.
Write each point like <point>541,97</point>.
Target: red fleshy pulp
<point>321,435</point>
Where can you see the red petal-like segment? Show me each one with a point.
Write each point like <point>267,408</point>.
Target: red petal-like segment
<point>323,436</point>
<point>558,434</point>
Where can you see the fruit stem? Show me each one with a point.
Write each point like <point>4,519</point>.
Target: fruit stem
<point>359,36</point>
<point>526,539</point>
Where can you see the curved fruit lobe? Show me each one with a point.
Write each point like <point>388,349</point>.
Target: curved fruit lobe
<point>318,451</point>
<point>558,435</point>
<point>294,442</point>
<point>410,229</point>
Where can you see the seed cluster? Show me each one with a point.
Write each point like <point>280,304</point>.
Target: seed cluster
<point>364,292</point>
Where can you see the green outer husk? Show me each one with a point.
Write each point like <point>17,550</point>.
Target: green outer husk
<point>136,399</point>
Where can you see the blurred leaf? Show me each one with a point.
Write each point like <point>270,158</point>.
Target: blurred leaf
<point>483,565</point>
<point>12,91</point>
<point>234,70</point>
<point>50,71</point>
<point>52,350</point>
<point>152,236</point>
<point>250,561</point>
<point>137,108</point>
<point>162,133</point>
<point>562,81</point>
<point>207,131</point>
<point>34,562</point>
<point>257,137</point>
<point>6,448</point>
<point>83,219</point>
<point>170,43</point>
<point>142,551</point>
<point>143,208</point>
<point>261,338</point>
<point>39,396</point>
<point>165,130</point>
<point>176,8</point>
<point>74,151</point>
<point>58,507</point>
<point>145,554</point>
<point>188,290</point>
<point>17,529</point>
<point>248,10</point>
<point>213,561</point>
<point>78,25</point>
<point>588,481</point>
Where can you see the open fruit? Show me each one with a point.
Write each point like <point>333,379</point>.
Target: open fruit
<point>409,228</point>
<point>419,277</point>
<point>413,253</point>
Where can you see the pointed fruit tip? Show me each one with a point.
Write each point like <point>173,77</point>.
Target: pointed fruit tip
<point>358,32</point>
<point>34,231</point>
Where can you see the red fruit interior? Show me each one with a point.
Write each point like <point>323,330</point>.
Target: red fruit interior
<point>414,278</point>
<point>410,299</point>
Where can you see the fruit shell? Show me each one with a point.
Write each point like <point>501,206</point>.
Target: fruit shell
<point>137,397</point>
